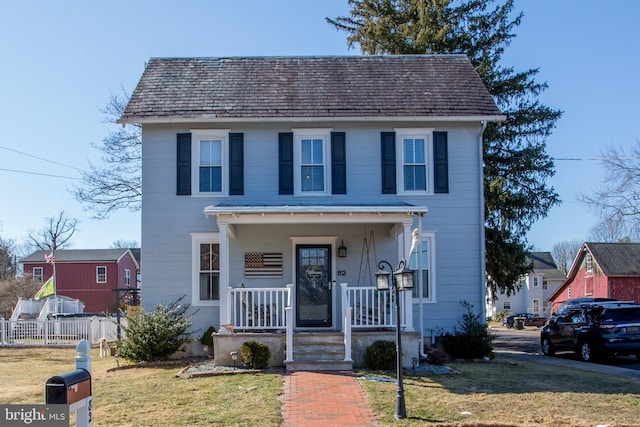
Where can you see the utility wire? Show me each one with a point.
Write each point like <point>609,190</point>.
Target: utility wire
<point>39,158</point>
<point>38,173</point>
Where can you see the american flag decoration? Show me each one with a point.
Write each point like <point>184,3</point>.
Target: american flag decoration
<point>259,264</point>
<point>50,257</point>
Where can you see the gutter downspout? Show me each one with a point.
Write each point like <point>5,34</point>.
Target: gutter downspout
<point>483,255</point>
<point>420,288</point>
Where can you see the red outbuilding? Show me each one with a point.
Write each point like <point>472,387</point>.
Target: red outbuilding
<point>89,275</point>
<point>602,270</point>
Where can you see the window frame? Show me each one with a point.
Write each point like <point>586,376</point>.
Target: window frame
<point>197,136</point>
<point>299,135</point>
<point>414,133</point>
<point>196,240</point>
<point>127,277</point>
<point>428,237</point>
<point>38,277</point>
<point>98,274</point>
<point>588,260</point>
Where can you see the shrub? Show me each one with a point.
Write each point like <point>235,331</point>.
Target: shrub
<point>471,340</point>
<point>155,335</point>
<point>436,356</point>
<point>207,338</point>
<point>501,315</point>
<point>381,355</point>
<point>255,355</point>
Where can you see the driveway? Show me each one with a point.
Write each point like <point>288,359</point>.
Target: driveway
<point>526,343</point>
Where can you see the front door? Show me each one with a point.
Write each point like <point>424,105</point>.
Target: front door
<point>313,286</point>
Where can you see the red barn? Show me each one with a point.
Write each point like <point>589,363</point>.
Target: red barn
<point>602,270</point>
<point>90,275</point>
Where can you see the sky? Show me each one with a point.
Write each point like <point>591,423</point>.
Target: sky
<point>62,61</point>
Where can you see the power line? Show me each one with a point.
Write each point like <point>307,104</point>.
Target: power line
<point>39,158</point>
<point>38,173</point>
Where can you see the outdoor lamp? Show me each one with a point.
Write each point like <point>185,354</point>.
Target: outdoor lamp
<point>342,250</point>
<point>400,280</point>
<point>403,277</point>
<point>383,278</point>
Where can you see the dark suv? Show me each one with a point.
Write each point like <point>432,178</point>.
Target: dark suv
<point>594,330</point>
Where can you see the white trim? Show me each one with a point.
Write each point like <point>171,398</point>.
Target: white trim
<point>430,237</point>
<point>105,274</point>
<point>414,133</point>
<point>198,135</point>
<point>196,240</point>
<point>323,134</point>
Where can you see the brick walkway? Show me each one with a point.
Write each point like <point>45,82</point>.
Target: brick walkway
<point>325,399</point>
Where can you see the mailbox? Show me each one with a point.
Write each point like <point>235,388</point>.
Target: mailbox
<point>68,388</point>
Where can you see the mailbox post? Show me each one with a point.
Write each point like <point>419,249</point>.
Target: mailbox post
<point>73,388</point>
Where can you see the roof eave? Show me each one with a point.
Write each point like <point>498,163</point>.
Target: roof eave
<point>215,119</point>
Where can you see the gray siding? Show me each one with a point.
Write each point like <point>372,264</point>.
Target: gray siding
<point>168,220</point>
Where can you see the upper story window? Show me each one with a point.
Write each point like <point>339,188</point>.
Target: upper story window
<point>210,154</point>
<point>127,277</point>
<point>101,274</point>
<point>312,173</point>
<point>414,164</point>
<point>210,166</point>
<point>413,152</point>
<point>38,274</point>
<point>589,263</point>
<point>536,281</point>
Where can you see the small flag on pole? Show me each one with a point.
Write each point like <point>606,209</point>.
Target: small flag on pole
<point>50,257</point>
<point>48,288</point>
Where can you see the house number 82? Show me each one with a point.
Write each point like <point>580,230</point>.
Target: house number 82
<point>342,272</point>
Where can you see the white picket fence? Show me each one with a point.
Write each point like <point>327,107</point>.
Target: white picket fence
<point>57,332</point>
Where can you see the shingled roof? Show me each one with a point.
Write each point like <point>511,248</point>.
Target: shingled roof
<point>244,88</point>
<point>616,259</point>
<point>544,264</point>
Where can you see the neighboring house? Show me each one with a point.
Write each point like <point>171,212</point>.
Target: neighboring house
<point>535,288</point>
<point>264,172</point>
<point>89,275</point>
<point>602,270</point>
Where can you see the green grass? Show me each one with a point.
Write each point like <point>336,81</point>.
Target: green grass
<point>506,392</point>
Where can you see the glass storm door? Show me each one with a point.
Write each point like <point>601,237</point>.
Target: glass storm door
<point>313,286</point>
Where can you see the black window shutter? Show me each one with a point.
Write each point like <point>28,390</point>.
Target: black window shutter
<point>338,163</point>
<point>183,187</point>
<point>440,163</point>
<point>388,144</point>
<point>285,158</point>
<point>236,164</point>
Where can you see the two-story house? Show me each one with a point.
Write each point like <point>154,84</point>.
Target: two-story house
<point>89,275</point>
<point>534,289</point>
<point>274,186</point>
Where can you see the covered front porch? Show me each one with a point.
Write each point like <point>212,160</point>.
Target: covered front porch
<point>311,306</point>
<point>266,315</point>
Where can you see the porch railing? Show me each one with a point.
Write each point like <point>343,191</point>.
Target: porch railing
<point>257,308</point>
<point>370,308</point>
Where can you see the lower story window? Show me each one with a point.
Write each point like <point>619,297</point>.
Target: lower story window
<point>209,272</point>
<point>423,258</point>
<point>206,269</point>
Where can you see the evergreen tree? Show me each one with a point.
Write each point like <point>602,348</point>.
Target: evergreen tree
<point>516,165</point>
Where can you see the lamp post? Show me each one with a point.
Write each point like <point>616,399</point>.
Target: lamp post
<point>400,280</point>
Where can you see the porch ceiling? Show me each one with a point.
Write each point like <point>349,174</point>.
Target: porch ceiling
<point>316,214</point>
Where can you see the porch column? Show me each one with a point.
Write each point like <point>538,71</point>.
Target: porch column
<point>224,272</point>
<point>407,296</point>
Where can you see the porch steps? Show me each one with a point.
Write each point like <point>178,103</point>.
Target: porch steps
<point>318,351</point>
